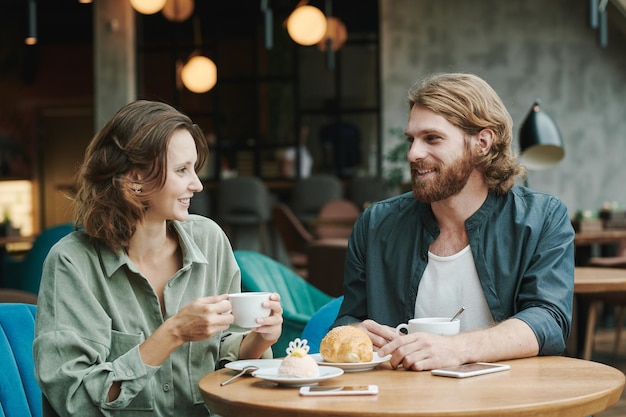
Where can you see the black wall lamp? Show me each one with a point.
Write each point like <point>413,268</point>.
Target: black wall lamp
<point>541,144</point>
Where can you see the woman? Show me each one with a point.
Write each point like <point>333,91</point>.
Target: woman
<point>133,308</point>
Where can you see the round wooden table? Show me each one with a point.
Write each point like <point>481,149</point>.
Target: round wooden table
<point>546,386</point>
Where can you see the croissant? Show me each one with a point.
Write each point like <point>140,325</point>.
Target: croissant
<point>346,344</point>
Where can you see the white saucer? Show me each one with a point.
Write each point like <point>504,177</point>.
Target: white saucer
<point>271,374</point>
<point>353,367</point>
<point>259,363</point>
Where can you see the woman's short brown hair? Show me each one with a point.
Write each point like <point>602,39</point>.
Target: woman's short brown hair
<point>107,204</point>
<point>468,102</point>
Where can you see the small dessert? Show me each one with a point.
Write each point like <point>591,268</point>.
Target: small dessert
<point>346,344</point>
<point>299,363</point>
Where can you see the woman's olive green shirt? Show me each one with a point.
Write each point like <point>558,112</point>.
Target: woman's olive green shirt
<point>94,310</point>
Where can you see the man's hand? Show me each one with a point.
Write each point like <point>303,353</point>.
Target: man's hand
<point>511,339</point>
<point>422,351</point>
<point>378,333</point>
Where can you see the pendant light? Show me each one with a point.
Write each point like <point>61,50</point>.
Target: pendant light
<point>147,6</point>
<point>31,38</point>
<point>178,10</point>
<point>199,73</point>
<point>306,25</point>
<point>541,143</point>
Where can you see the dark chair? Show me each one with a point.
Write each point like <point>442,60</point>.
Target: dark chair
<point>201,204</point>
<point>299,299</point>
<point>327,258</point>
<point>20,396</point>
<point>336,219</point>
<point>25,273</point>
<point>363,191</point>
<point>293,235</point>
<point>310,194</point>
<point>244,201</point>
<point>320,323</point>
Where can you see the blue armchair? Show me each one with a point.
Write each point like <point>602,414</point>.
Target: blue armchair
<point>320,323</point>
<point>299,299</point>
<point>25,274</point>
<point>20,396</point>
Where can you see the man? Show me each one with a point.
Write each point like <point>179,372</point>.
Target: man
<point>466,236</point>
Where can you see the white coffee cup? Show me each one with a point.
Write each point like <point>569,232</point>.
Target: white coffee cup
<point>436,325</point>
<point>248,306</point>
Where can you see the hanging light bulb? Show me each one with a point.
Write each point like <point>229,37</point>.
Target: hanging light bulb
<point>178,10</point>
<point>306,25</point>
<point>147,6</point>
<point>336,32</point>
<point>199,74</point>
<point>31,38</point>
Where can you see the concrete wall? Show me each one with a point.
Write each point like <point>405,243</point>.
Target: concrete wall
<point>526,49</point>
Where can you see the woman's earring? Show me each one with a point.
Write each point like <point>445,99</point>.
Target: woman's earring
<point>137,190</point>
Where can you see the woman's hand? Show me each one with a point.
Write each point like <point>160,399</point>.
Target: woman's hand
<point>198,320</point>
<point>266,334</point>
<point>271,327</point>
<point>202,318</point>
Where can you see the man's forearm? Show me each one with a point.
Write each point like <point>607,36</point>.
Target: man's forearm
<point>510,339</point>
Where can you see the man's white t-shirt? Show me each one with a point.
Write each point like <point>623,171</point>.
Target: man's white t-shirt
<point>449,283</point>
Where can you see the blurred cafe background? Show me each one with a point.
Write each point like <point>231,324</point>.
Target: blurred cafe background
<point>305,116</point>
<point>281,109</point>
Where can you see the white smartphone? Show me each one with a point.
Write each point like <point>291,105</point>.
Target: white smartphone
<point>335,390</point>
<point>470,369</point>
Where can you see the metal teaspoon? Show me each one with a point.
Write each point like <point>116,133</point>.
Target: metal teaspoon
<point>458,313</point>
<point>245,370</point>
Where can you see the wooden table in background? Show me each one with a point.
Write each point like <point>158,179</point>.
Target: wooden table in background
<point>8,240</point>
<point>601,237</point>
<point>22,243</point>
<point>546,386</point>
<point>598,285</point>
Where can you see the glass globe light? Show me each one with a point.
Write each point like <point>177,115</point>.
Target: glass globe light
<point>199,74</point>
<point>178,10</point>
<point>306,25</point>
<point>147,6</point>
<point>337,32</point>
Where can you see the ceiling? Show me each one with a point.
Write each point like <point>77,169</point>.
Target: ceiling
<point>70,22</point>
<point>58,21</point>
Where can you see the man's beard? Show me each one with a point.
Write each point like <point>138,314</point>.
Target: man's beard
<point>446,181</point>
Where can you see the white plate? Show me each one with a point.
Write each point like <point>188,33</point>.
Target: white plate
<point>353,367</point>
<point>271,374</point>
<point>259,363</point>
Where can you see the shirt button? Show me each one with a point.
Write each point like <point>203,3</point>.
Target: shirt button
<point>129,373</point>
<point>170,284</point>
<point>166,387</point>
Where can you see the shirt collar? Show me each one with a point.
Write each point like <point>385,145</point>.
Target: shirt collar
<point>191,253</point>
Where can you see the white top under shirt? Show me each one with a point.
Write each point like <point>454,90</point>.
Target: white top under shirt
<point>449,283</point>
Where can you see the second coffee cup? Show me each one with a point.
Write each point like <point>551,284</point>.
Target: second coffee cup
<point>436,325</point>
